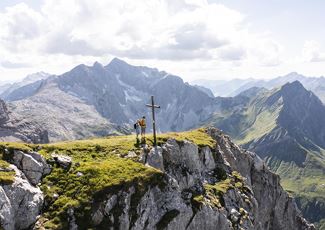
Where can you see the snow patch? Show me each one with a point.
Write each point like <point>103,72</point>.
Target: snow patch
<point>131,97</point>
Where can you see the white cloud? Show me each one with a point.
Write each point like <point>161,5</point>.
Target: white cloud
<point>159,31</point>
<point>312,52</point>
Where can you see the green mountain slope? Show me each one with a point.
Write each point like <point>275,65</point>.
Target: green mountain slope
<point>286,127</point>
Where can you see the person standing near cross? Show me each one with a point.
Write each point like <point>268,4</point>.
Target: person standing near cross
<point>143,126</point>
<point>153,107</point>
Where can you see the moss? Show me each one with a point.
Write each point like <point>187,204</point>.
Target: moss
<point>239,185</point>
<point>221,187</point>
<point>99,179</point>
<point>197,136</point>
<point>199,198</point>
<point>7,175</point>
<point>214,192</point>
<point>237,176</point>
<point>17,146</point>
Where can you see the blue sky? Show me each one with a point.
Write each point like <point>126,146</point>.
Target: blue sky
<point>214,39</point>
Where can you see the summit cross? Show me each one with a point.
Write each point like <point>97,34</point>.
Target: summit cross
<point>153,107</point>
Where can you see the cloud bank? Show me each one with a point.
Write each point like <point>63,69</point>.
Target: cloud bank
<point>63,32</point>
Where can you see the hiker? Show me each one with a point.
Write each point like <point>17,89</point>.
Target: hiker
<point>137,128</point>
<point>142,123</point>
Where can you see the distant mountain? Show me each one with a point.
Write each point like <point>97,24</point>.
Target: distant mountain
<point>100,100</point>
<point>21,89</point>
<point>286,127</point>
<point>18,129</point>
<point>223,88</point>
<point>236,86</point>
<point>205,90</point>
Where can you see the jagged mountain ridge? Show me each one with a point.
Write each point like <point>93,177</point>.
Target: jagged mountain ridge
<point>286,127</point>
<point>23,88</point>
<point>114,95</point>
<point>198,183</point>
<point>127,88</point>
<point>236,86</point>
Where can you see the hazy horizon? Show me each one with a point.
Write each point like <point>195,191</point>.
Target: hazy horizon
<point>194,39</point>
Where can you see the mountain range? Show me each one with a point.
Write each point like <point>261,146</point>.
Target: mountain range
<point>286,127</point>
<point>230,88</point>
<point>106,100</point>
<point>279,119</point>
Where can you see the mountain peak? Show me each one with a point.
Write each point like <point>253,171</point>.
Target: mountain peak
<point>36,76</point>
<point>293,87</point>
<point>117,61</point>
<point>97,65</point>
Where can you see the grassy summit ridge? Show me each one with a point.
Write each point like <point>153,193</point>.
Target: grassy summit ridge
<point>99,168</point>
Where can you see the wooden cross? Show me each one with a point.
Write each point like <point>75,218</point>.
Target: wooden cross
<point>153,106</point>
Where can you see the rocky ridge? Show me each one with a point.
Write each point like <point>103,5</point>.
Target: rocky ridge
<point>202,186</point>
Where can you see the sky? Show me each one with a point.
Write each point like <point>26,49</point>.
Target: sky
<point>194,39</point>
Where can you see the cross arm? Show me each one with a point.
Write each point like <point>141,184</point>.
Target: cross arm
<point>156,106</point>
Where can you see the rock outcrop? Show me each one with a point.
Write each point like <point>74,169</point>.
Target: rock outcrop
<point>203,188</point>
<point>32,164</point>
<point>20,203</point>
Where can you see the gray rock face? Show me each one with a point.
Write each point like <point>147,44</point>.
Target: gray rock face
<point>20,203</point>
<point>155,158</point>
<point>32,164</point>
<point>3,112</point>
<point>258,203</point>
<point>24,88</point>
<point>18,129</point>
<point>65,116</point>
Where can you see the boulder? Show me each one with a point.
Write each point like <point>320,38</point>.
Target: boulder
<point>155,158</point>
<point>20,203</point>
<point>32,164</point>
<point>62,160</point>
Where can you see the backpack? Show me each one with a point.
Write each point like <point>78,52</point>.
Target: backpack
<point>135,125</point>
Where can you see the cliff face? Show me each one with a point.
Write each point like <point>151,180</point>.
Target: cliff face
<point>15,128</point>
<point>203,186</point>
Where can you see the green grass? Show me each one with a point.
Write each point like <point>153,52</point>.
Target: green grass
<point>99,179</point>
<point>7,176</point>
<point>213,194</point>
<point>264,122</point>
<point>104,170</point>
<point>82,149</point>
<point>197,136</point>
<point>306,184</point>
<point>17,146</point>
